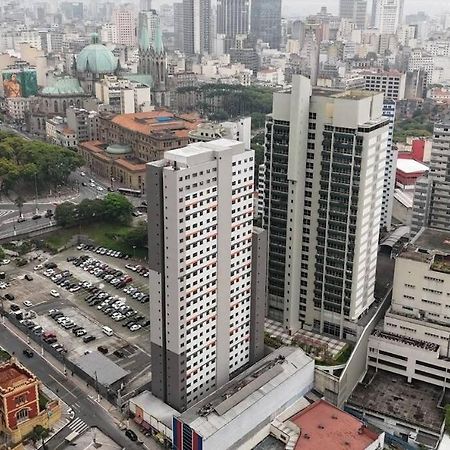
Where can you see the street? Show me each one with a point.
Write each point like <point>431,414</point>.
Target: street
<point>68,389</point>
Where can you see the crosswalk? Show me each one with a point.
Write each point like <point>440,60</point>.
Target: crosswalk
<point>78,425</point>
<point>6,212</point>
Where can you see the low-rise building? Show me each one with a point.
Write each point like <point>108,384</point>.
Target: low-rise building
<point>123,96</point>
<point>23,405</point>
<point>240,130</point>
<point>149,134</point>
<point>114,162</point>
<point>86,124</point>
<point>17,107</point>
<point>408,172</point>
<point>231,416</point>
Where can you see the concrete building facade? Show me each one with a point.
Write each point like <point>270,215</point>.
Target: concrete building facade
<point>206,322</point>
<point>325,162</point>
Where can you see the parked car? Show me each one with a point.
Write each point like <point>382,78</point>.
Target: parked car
<point>54,293</point>
<point>27,303</point>
<point>90,338</point>
<point>10,297</point>
<point>28,277</point>
<point>102,349</point>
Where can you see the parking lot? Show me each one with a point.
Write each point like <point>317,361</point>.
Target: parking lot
<point>81,323</point>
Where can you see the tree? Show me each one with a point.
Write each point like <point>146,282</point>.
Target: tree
<point>19,202</point>
<point>137,236</point>
<point>40,433</point>
<point>2,253</point>
<point>117,208</point>
<point>66,214</point>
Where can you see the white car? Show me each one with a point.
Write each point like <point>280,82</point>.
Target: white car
<point>38,267</point>
<point>5,261</point>
<point>82,174</point>
<point>92,184</point>
<point>99,188</point>
<point>135,327</point>
<point>27,303</point>
<point>54,293</point>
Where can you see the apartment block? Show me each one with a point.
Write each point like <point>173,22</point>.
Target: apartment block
<point>207,278</point>
<point>325,160</point>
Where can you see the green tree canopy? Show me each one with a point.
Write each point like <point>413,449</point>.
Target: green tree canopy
<point>21,161</point>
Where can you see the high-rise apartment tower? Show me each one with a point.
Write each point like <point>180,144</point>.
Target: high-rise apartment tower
<point>325,161</point>
<point>207,269</point>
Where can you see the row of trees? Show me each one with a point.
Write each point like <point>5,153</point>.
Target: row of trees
<point>113,208</point>
<point>24,162</point>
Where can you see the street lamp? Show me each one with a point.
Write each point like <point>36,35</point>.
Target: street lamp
<point>134,251</point>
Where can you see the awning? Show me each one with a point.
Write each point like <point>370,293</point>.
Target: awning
<point>146,425</point>
<point>138,420</point>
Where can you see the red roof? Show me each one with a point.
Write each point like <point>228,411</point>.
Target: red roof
<point>323,427</point>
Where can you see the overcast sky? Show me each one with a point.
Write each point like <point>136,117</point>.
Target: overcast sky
<point>304,7</point>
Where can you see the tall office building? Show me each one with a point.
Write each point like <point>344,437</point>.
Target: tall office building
<point>145,5</point>
<point>148,26</point>
<point>207,269</point>
<point>265,22</point>
<point>233,19</point>
<point>178,26</point>
<point>392,84</point>
<point>387,15</point>
<point>432,194</point>
<point>325,160</point>
<point>124,20</point>
<point>196,27</point>
<point>354,10</point>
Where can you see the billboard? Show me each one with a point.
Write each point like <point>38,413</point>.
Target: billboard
<point>19,83</point>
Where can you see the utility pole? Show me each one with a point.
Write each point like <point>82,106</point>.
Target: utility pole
<point>35,192</point>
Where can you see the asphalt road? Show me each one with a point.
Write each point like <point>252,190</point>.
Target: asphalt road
<point>85,408</point>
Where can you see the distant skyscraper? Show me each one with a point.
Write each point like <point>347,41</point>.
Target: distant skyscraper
<point>207,269</point>
<point>325,161</point>
<point>354,10</point>
<point>387,15</point>
<point>145,5</point>
<point>266,21</point>
<point>148,24</point>
<point>178,25</point>
<point>196,26</point>
<point>124,19</point>
<point>233,18</point>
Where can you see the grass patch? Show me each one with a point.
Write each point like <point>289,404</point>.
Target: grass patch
<point>344,355</point>
<point>103,234</point>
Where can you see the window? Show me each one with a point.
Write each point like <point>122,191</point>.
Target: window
<point>22,415</point>
<point>20,399</point>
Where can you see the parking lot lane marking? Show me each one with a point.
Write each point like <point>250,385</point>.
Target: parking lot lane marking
<point>67,390</point>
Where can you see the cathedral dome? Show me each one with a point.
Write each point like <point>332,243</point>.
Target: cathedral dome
<point>96,58</point>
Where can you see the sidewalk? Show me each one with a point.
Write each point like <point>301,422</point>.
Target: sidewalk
<point>118,419</point>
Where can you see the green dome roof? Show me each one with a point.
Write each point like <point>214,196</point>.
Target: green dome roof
<point>96,58</point>
<point>64,86</point>
<point>118,149</point>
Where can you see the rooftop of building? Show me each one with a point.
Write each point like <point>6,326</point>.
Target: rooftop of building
<point>391,395</point>
<point>132,164</point>
<point>13,375</point>
<point>430,246</point>
<point>65,85</point>
<point>323,426</point>
<point>201,152</point>
<point>409,166</point>
<point>350,94</point>
<point>160,124</point>
<point>406,340</point>
<point>235,397</point>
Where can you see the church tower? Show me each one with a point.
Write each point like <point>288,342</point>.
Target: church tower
<point>153,61</point>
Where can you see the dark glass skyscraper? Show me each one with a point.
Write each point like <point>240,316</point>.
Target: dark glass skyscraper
<point>266,21</point>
